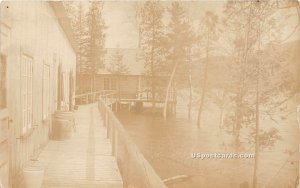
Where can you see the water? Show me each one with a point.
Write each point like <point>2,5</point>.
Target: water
<point>168,146</point>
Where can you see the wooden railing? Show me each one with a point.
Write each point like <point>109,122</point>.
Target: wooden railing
<point>135,169</point>
<point>86,98</point>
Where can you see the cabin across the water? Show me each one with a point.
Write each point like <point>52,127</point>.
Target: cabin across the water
<point>131,88</point>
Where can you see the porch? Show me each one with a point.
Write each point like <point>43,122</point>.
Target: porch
<point>85,160</point>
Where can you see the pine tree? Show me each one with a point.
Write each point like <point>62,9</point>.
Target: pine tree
<point>152,32</point>
<point>96,26</point>
<point>78,16</point>
<point>180,40</point>
<point>117,66</point>
<point>209,34</point>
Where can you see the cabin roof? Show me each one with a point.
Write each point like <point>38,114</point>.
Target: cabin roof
<point>65,22</point>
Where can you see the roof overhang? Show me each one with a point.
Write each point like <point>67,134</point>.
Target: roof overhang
<point>64,22</point>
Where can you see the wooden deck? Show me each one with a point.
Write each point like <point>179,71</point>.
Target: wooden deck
<point>85,160</point>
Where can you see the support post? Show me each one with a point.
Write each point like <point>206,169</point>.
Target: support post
<point>114,140</point>
<point>139,87</point>
<point>298,119</point>
<point>108,128</point>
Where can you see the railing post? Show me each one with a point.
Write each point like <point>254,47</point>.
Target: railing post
<point>114,141</point>
<point>116,102</point>
<point>105,118</point>
<point>107,125</point>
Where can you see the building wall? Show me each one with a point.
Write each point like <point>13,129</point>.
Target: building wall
<point>128,85</point>
<point>32,29</point>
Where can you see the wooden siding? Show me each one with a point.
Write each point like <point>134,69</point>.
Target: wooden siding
<point>32,29</point>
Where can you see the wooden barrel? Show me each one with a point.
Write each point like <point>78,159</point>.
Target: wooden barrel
<point>62,125</point>
<point>68,115</point>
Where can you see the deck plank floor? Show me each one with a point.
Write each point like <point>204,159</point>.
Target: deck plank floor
<point>85,160</point>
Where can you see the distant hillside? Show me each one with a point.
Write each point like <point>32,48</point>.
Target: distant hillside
<point>220,66</point>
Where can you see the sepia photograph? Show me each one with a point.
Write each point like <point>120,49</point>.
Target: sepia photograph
<point>150,94</point>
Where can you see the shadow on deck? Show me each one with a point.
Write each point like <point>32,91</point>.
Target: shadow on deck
<point>85,159</point>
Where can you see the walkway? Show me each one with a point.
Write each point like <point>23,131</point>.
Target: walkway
<point>84,160</point>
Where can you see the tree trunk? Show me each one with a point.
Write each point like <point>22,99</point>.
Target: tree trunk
<point>168,90</point>
<point>222,106</point>
<point>240,95</point>
<point>257,112</point>
<point>190,86</point>
<point>190,97</point>
<point>257,144</point>
<point>221,118</point>
<point>152,68</point>
<point>201,105</point>
<point>203,95</point>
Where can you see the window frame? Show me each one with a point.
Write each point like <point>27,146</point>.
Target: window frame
<point>26,73</point>
<point>46,92</point>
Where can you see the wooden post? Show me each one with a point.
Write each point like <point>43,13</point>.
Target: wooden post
<point>108,126</point>
<point>298,119</point>
<point>114,140</point>
<point>116,103</point>
<point>106,118</point>
<point>139,87</point>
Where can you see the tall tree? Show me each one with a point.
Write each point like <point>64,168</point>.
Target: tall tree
<point>262,76</point>
<point>137,7</point>
<point>89,28</point>
<point>78,16</point>
<point>209,34</point>
<point>152,31</point>
<point>96,26</point>
<point>180,40</point>
<point>239,20</point>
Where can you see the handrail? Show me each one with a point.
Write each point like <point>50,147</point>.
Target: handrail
<point>91,97</point>
<point>143,174</point>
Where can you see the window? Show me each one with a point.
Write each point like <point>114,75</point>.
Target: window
<point>26,91</point>
<point>106,83</point>
<point>46,91</point>
<point>3,82</point>
<point>113,85</point>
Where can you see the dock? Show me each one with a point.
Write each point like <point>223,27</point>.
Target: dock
<point>85,160</point>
